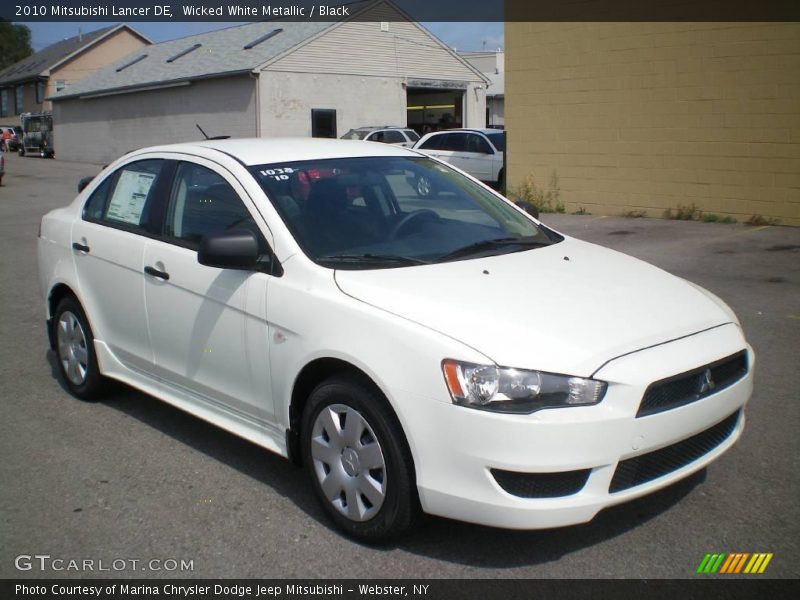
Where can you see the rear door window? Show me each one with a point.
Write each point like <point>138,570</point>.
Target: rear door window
<point>126,198</point>
<point>393,137</point>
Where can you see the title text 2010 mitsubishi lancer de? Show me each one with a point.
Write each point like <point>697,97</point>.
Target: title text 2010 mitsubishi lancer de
<point>446,354</point>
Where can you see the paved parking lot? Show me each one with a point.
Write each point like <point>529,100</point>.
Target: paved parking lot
<point>132,478</point>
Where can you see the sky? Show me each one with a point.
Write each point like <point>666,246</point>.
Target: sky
<point>461,36</point>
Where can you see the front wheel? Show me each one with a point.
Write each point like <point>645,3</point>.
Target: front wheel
<point>359,461</point>
<point>425,187</point>
<point>77,361</point>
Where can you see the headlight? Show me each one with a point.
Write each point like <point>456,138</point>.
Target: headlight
<point>498,389</point>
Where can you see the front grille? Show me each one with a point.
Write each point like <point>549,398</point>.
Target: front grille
<point>647,467</point>
<point>542,485</point>
<point>693,385</point>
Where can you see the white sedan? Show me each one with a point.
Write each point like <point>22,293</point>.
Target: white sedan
<point>448,354</point>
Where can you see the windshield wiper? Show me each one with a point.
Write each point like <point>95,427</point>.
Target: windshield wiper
<point>371,258</point>
<point>484,245</point>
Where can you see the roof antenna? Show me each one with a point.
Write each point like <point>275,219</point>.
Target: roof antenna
<point>205,135</point>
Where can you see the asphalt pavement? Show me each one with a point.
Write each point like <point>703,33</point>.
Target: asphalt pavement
<point>133,479</point>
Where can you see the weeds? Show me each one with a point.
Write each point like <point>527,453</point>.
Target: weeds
<point>547,201</point>
<point>581,211</point>
<point>690,212</point>
<point>715,218</point>
<point>634,214</point>
<point>758,221</point>
<point>684,212</point>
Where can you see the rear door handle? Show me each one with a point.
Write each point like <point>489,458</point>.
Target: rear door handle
<point>80,247</point>
<point>156,273</point>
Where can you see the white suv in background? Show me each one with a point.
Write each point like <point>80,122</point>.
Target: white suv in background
<point>397,136</point>
<point>479,152</point>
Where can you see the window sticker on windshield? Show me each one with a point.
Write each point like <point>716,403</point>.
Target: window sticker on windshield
<point>277,174</point>
<point>127,203</point>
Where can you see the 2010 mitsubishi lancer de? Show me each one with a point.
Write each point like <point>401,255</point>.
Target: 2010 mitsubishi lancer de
<point>446,354</point>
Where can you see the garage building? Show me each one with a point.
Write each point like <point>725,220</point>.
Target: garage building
<point>274,78</point>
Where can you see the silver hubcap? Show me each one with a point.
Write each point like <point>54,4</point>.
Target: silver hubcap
<point>423,186</point>
<point>348,461</point>
<point>72,351</point>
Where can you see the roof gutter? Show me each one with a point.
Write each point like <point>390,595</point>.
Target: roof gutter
<point>143,87</point>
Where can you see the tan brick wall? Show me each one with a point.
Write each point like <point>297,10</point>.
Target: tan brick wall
<point>649,116</point>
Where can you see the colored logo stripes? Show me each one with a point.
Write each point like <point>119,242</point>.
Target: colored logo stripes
<point>735,562</point>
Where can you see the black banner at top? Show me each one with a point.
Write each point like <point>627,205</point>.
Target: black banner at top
<point>418,10</point>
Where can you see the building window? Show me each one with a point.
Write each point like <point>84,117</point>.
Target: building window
<point>4,102</point>
<point>39,92</point>
<point>323,123</point>
<point>60,84</point>
<point>19,94</point>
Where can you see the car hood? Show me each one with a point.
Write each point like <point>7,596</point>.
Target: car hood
<point>566,308</point>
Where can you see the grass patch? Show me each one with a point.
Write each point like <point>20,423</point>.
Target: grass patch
<point>581,211</point>
<point>715,218</point>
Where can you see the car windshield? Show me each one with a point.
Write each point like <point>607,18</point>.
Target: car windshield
<point>382,212</point>
<point>356,134</point>
<point>498,140</point>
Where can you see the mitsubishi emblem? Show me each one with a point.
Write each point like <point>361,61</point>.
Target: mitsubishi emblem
<point>707,382</point>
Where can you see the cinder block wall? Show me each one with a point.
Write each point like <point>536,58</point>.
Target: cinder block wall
<point>649,116</point>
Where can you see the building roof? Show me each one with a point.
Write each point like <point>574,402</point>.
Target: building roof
<point>216,53</point>
<point>231,51</point>
<point>39,64</point>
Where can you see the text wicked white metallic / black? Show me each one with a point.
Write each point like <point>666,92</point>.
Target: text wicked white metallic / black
<point>435,350</point>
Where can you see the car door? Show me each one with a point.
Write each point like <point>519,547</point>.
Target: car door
<point>208,326</point>
<point>481,157</point>
<point>108,249</point>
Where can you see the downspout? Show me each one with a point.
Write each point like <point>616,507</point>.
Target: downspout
<point>255,76</point>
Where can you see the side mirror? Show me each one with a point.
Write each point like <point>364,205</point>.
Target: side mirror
<point>84,182</point>
<point>236,249</point>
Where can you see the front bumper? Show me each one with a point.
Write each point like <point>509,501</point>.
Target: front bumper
<point>456,448</point>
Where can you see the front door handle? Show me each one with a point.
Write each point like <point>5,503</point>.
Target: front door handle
<point>156,273</point>
<point>80,247</point>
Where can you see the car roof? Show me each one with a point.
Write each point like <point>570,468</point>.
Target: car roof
<point>259,151</point>
<point>484,130</point>
<point>377,127</point>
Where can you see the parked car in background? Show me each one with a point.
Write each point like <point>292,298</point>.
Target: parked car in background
<point>446,354</point>
<point>399,136</point>
<point>16,135</point>
<point>37,135</point>
<point>478,152</point>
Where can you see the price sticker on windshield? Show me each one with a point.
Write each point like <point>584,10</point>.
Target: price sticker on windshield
<point>279,174</point>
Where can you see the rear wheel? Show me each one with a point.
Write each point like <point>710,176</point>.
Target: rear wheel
<point>77,361</point>
<point>358,460</point>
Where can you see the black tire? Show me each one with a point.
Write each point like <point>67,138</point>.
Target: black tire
<point>93,385</point>
<point>21,151</point>
<point>400,509</point>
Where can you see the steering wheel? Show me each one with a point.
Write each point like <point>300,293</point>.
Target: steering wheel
<point>413,216</point>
